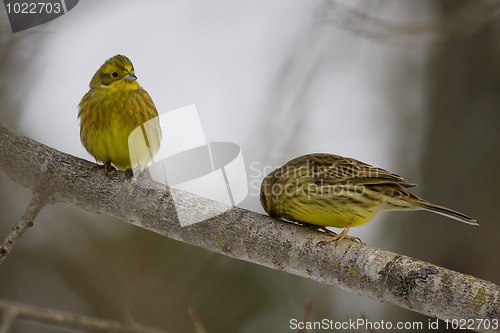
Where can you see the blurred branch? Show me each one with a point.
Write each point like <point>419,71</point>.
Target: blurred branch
<point>22,225</point>
<point>246,235</point>
<point>11,311</point>
<point>465,21</point>
<point>369,330</point>
<point>195,319</point>
<point>307,315</point>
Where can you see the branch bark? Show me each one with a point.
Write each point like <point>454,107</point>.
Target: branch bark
<point>245,235</point>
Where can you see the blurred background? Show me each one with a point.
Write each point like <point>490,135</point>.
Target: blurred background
<point>412,87</point>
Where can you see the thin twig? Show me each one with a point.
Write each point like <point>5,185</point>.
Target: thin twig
<point>307,315</point>
<point>36,204</point>
<point>195,319</point>
<point>68,320</point>
<point>463,22</point>
<point>368,329</point>
<point>136,292</point>
<point>7,319</point>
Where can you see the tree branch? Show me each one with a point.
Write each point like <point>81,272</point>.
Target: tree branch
<point>26,221</point>
<point>466,21</point>
<point>12,311</point>
<point>246,235</point>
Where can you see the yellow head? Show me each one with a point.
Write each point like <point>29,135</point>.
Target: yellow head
<point>116,72</point>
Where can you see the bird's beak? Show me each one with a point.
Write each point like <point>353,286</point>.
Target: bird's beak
<point>130,76</point>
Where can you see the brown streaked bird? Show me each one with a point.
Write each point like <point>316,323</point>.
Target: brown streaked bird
<point>327,190</point>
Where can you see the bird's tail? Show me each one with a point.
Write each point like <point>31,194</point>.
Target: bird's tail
<point>445,211</point>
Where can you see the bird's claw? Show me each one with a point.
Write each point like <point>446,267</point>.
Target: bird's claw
<point>338,237</point>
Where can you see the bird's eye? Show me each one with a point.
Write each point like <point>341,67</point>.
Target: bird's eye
<point>114,74</point>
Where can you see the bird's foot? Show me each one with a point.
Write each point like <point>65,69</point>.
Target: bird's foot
<point>338,237</point>
<point>108,167</point>
<point>129,173</point>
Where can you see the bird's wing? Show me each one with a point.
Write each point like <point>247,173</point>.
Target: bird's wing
<point>330,169</point>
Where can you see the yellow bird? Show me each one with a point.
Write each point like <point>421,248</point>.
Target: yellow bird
<point>328,190</point>
<point>109,112</point>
